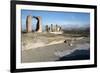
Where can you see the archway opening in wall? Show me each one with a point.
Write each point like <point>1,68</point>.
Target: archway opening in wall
<point>34,24</point>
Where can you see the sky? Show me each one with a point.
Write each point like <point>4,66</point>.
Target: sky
<point>64,19</point>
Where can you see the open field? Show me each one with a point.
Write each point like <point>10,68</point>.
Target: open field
<point>43,47</point>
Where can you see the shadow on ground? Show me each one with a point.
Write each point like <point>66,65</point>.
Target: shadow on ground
<point>77,55</point>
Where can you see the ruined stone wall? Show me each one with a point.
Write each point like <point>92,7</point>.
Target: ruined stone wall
<point>29,24</point>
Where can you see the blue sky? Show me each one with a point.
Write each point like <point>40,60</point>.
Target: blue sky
<point>64,19</point>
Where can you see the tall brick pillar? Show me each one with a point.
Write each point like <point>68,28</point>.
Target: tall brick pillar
<point>29,23</point>
<point>39,24</point>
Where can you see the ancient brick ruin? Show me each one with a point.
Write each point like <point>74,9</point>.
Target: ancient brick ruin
<point>52,28</point>
<point>29,23</point>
